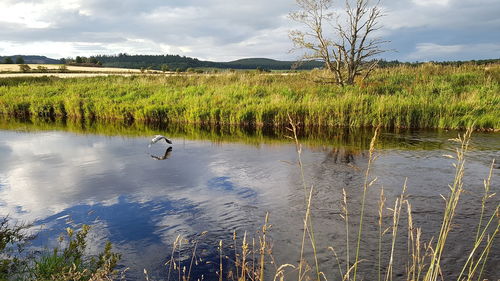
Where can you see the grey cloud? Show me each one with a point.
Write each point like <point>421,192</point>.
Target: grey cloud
<point>226,30</point>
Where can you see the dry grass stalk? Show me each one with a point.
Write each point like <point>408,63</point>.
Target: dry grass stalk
<point>486,196</point>
<point>193,257</point>
<point>346,219</point>
<point>253,258</point>
<point>366,184</point>
<point>280,272</point>
<point>220,260</point>
<point>244,253</point>
<point>451,204</point>
<point>342,276</point>
<point>381,204</point>
<point>171,262</point>
<point>263,248</point>
<point>236,258</point>
<point>395,224</point>
<point>308,225</point>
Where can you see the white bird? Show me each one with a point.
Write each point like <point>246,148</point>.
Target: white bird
<point>158,138</point>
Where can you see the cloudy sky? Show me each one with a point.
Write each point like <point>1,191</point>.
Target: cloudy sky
<point>221,30</point>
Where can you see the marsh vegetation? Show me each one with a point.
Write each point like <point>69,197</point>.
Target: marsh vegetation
<point>429,96</point>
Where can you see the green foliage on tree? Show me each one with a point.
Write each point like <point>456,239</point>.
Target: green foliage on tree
<point>8,60</point>
<point>19,60</point>
<point>42,69</point>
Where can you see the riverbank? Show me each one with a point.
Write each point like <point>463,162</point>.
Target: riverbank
<point>429,96</point>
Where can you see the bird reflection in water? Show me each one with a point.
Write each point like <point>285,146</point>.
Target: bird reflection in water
<point>165,156</point>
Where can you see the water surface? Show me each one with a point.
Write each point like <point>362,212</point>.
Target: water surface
<point>223,180</point>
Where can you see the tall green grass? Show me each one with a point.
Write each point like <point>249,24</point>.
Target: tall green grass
<point>430,96</point>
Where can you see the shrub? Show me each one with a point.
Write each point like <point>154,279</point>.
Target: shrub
<point>24,68</point>
<point>42,68</point>
<point>13,239</point>
<point>70,263</point>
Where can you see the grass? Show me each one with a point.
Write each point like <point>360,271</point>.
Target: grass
<point>55,68</point>
<point>429,96</point>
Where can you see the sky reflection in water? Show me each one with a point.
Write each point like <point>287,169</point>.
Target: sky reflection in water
<point>59,179</point>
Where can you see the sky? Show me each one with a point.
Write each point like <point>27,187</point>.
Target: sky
<point>222,30</point>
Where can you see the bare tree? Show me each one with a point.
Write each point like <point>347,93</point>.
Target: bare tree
<point>342,40</point>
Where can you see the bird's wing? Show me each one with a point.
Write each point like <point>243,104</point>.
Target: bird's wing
<point>156,139</point>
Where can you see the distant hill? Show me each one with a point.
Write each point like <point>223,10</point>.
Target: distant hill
<point>182,62</point>
<point>253,63</point>
<point>174,62</point>
<point>32,59</point>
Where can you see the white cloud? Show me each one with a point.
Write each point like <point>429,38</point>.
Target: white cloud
<point>221,30</point>
<point>431,3</point>
<point>431,51</point>
<point>23,14</point>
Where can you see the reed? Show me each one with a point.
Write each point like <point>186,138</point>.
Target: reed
<point>424,97</point>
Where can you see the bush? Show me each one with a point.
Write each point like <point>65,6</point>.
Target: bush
<point>42,69</point>
<point>13,239</point>
<point>71,263</point>
<point>24,68</point>
<point>61,263</point>
<point>19,60</point>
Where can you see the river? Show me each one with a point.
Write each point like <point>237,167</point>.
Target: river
<point>220,180</point>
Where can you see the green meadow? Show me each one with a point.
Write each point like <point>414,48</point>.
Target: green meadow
<point>427,96</point>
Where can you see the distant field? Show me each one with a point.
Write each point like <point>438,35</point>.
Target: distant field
<point>15,68</point>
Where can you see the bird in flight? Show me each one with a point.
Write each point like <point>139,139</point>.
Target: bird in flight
<point>158,138</point>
